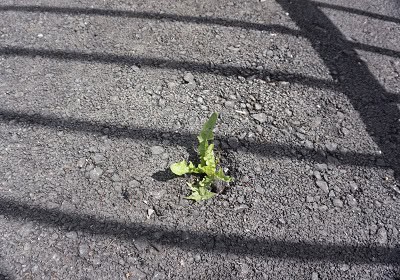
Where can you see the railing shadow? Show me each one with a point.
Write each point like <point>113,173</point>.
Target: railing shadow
<point>186,140</point>
<point>356,11</point>
<point>199,67</point>
<point>153,16</point>
<point>202,20</point>
<point>209,242</point>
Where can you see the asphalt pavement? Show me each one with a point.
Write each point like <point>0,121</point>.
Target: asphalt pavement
<point>99,98</point>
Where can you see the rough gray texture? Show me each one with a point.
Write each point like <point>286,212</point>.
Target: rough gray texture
<point>98,98</point>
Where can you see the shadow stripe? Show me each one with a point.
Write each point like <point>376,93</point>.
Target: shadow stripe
<point>191,240</point>
<point>186,140</point>
<point>152,16</point>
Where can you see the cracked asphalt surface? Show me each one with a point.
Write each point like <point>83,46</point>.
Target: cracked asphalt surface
<point>98,98</point>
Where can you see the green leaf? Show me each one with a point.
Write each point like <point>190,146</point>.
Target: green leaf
<point>205,193</point>
<point>180,168</point>
<point>203,146</point>
<point>206,182</point>
<point>200,193</point>
<point>194,196</point>
<point>209,157</point>
<point>193,169</point>
<point>220,175</point>
<point>206,134</point>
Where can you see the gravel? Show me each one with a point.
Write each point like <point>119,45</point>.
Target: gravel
<point>95,110</point>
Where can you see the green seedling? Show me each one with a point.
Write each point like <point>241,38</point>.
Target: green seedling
<point>207,169</point>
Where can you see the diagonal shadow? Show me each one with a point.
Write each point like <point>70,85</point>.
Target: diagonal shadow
<point>366,94</point>
<point>186,140</point>
<point>153,16</point>
<point>356,11</point>
<point>191,240</point>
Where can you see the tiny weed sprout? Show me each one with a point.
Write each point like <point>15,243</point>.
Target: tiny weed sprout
<point>207,169</point>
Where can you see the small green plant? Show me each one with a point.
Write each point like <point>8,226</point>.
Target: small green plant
<point>207,169</point>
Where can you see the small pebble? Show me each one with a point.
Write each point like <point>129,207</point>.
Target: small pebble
<point>317,175</point>
<point>260,190</point>
<point>197,257</point>
<point>323,208</point>
<point>351,200</point>
<point>377,204</point>
<point>288,112</point>
<point>161,102</point>
<point>353,186</point>
<point>261,117</point>
<point>331,147</point>
<point>83,250</point>
<point>81,163</point>
<point>382,236</point>
<point>323,186</point>
<point>309,145</point>
<point>71,235</point>
<point>229,104</point>
<point>321,166</point>
<point>157,150</point>
<point>95,173</point>
<point>150,212</point>
<point>96,261</point>
<point>245,269</point>
<point>241,207</point>
<point>345,131</point>
<point>98,159</point>
<point>188,78</point>
<point>157,275</point>
<point>337,202</point>
<point>135,68</point>
<point>115,178</point>
<point>89,167</point>
<point>344,267</point>
<point>134,184</point>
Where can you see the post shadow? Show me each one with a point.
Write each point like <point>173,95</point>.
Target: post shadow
<point>378,112</point>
